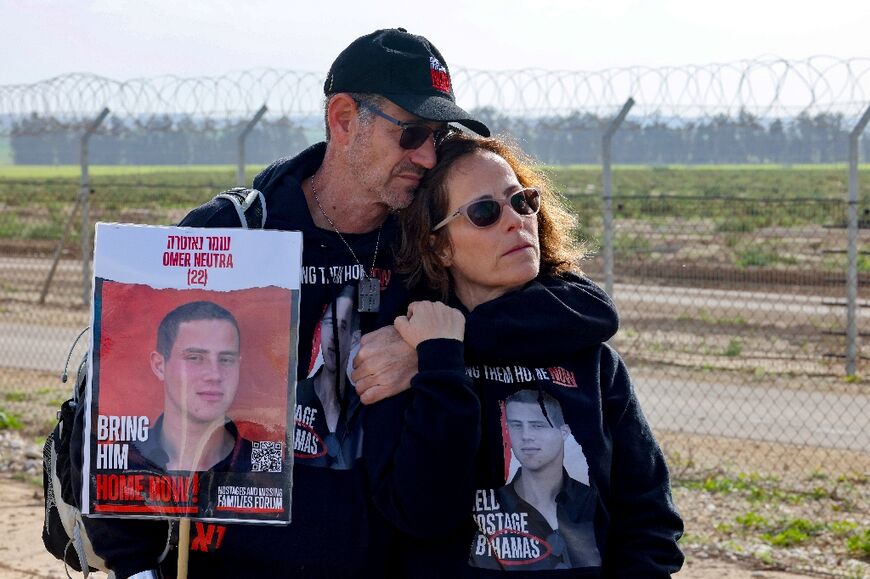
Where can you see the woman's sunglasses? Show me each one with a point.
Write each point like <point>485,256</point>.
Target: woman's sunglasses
<point>486,212</point>
<point>414,134</point>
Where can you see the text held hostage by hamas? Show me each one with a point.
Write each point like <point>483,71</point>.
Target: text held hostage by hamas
<point>504,535</point>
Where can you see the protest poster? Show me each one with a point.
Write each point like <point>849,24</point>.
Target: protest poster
<point>192,374</point>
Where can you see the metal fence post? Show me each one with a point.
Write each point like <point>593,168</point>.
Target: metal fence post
<point>59,249</point>
<point>240,170</point>
<point>852,273</point>
<point>607,194</point>
<point>84,195</point>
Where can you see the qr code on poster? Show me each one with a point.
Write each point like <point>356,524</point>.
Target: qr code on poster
<point>266,456</point>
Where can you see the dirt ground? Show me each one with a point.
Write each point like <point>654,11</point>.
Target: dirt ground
<point>22,555</point>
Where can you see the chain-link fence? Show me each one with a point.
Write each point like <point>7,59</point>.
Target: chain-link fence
<point>734,317</point>
<point>733,283</point>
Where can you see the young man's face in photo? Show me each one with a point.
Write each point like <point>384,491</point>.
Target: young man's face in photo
<point>344,310</point>
<point>201,375</point>
<point>535,443</point>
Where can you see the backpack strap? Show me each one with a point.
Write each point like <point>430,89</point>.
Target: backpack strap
<point>250,205</point>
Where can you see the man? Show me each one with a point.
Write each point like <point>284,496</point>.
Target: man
<point>197,359</point>
<point>388,97</point>
<point>551,514</point>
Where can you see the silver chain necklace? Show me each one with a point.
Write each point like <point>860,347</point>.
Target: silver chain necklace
<point>368,288</point>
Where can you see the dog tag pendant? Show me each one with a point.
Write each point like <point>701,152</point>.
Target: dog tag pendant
<point>369,293</point>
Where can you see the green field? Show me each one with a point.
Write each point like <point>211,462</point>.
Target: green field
<point>115,187</point>
<point>753,181</point>
<point>747,181</point>
<point>63,172</point>
<point>729,199</point>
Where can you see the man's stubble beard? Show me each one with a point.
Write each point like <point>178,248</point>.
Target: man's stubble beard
<point>398,200</point>
<point>390,194</point>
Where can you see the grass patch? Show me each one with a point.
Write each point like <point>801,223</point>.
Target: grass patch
<point>734,348</point>
<point>840,262</point>
<point>751,485</point>
<point>9,420</point>
<point>762,257</point>
<point>786,538</point>
<point>859,544</point>
<point>751,520</point>
<point>631,244</point>
<point>792,532</point>
<point>843,527</point>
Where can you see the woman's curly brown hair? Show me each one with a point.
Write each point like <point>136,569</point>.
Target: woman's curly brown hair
<point>417,255</point>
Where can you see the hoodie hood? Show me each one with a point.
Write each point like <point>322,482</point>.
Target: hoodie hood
<point>310,159</point>
<point>557,316</point>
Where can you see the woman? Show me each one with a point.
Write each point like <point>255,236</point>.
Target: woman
<point>568,475</point>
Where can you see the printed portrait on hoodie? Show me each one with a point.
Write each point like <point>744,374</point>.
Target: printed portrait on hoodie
<point>542,518</point>
<point>328,425</point>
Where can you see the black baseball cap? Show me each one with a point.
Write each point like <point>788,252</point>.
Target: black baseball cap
<point>405,68</point>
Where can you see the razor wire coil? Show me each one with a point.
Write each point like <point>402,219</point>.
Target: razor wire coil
<point>767,88</point>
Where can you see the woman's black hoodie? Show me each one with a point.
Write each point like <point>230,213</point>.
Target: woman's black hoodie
<point>612,515</point>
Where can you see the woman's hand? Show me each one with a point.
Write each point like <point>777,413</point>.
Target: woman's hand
<point>430,320</point>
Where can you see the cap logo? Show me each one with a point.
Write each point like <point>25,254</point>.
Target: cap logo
<point>440,77</point>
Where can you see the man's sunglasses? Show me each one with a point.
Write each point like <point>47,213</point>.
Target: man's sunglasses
<point>414,134</point>
<point>486,212</point>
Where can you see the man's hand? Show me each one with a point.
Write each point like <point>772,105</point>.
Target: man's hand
<point>384,365</point>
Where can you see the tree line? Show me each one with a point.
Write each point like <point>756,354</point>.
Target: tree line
<point>158,141</point>
<point>575,138</point>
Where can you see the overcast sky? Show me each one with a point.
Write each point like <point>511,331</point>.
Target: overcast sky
<point>127,39</point>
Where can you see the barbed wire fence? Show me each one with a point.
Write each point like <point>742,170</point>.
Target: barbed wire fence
<point>740,290</point>
<point>768,88</point>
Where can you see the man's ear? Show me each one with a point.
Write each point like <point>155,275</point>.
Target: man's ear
<point>341,114</point>
<point>157,365</point>
<point>566,431</point>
